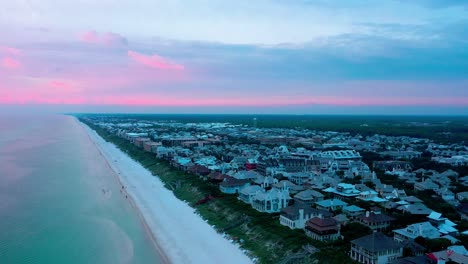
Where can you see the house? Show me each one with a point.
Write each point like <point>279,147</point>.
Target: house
<point>271,201</point>
<point>323,229</point>
<point>140,140</point>
<point>412,199</point>
<point>265,181</point>
<point>232,185</point>
<point>426,184</point>
<point>375,221</point>
<point>341,219</point>
<point>424,229</point>
<point>308,197</point>
<point>163,152</point>
<point>298,177</point>
<point>247,193</point>
<point>392,165</point>
<point>414,260</point>
<point>343,191</point>
<point>415,209</point>
<point>251,164</point>
<point>246,175</point>
<point>443,224</point>
<point>330,204</point>
<point>376,249</point>
<point>293,188</point>
<point>216,177</point>
<point>353,210</point>
<point>371,196</point>
<point>452,254</point>
<point>150,146</point>
<point>199,170</point>
<point>462,196</point>
<point>295,216</point>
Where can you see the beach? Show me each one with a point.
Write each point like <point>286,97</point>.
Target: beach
<point>179,233</point>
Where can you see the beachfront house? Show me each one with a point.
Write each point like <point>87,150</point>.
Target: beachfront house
<point>295,216</point>
<point>232,185</point>
<point>271,201</point>
<point>247,193</point>
<point>323,229</point>
<point>375,249</point>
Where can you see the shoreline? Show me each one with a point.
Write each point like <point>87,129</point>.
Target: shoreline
<point>179,235</point>
<point>157,247</point>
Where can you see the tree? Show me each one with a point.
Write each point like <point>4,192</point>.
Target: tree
<point>352,231</point>
<point>407,252</point>
<point>438,244</point>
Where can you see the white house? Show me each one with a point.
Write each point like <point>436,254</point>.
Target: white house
<point>247,193</point>
<point>424,229</point>
<point>271,201</point>
<point>376,249</point>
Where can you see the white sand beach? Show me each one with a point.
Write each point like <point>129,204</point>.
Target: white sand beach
<point>182,235</point>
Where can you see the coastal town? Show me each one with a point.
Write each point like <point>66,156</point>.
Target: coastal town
<point>392,199</point>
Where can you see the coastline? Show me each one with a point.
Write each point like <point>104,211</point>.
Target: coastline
<point>179,235</point>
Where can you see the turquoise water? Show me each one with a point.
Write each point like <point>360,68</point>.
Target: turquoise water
<point>59,201</point>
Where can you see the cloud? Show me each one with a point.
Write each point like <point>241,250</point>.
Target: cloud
<point>107,39</point>
<point>9,50</point>
<point>11,63</point>
<point>154,61</point>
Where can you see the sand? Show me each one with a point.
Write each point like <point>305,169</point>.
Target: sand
<point>180,234</point>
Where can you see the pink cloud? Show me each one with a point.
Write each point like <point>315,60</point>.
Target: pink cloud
<point>10,50</point>
<point>11,63</point>
<point>107,39</point>
<point>154,61</point>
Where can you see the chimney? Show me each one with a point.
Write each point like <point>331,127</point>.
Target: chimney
<point>367,213</point>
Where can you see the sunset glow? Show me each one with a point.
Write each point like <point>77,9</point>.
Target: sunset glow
<point>357,60</point>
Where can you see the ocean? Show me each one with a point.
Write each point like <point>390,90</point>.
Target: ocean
<point>59,201</point>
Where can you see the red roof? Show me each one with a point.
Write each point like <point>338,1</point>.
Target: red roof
<point>322,224</point>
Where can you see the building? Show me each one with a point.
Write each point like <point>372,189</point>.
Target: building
<point>298,178</point>
<point>323,229</point>
<point>251,164</point>
<point>376,249</point>
<point>342,155</point>
<point>343,191</point>
<point>271,201</point>
<point>353,210</point>
<point>330,204</point>
<point>247,193</point>
<point>424,229</point>
<point>140,141</point>
<point>462,196</point>
<point>392,165</point>
<point>375,221</point>
<point>295,216</point>
<point>308,197</point>
<point>151,146</point>
<point>232,185</point>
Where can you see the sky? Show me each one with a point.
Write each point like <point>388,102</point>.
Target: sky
<point>263,56</point>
